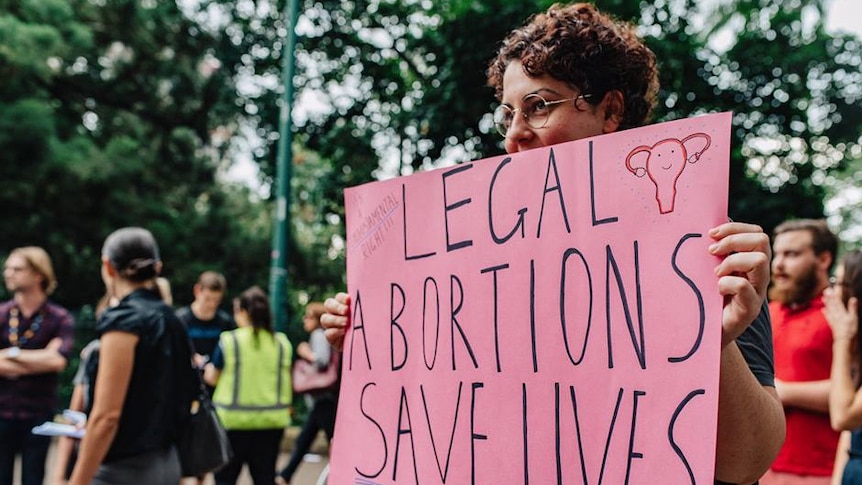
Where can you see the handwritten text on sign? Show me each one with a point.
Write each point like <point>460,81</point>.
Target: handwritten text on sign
<point>546,317</point>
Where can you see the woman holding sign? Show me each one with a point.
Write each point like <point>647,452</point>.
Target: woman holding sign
<point>845,409</point>
<point>572,73</point>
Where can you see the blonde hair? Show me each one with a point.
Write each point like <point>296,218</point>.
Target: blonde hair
<point>213,281</point>
<point>314,310</point>
<point>38,259</point>
<point>164,287</point>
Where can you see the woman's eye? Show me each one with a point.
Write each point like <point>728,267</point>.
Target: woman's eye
<point>537,107</point>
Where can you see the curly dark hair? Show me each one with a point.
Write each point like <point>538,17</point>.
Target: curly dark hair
<point>591,51</point>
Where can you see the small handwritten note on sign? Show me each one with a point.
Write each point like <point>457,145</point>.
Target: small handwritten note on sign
<point>545,317</point>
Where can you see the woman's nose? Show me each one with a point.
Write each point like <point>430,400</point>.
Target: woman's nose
<point>518,131</point>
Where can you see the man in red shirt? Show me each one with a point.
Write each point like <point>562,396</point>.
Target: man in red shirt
<point>803,254</point>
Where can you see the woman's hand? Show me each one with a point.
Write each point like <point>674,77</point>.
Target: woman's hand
<point>743,275</point>
<point>211,374</point>
<point>304,352</point>
<point>843,320</point>
<point>336,319</point>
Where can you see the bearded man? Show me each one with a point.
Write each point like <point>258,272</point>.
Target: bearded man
<point>803,254</point>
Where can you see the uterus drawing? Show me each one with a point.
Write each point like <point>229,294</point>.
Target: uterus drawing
<point>664,162</point>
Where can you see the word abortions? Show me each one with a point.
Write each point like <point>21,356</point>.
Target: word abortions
<point>537,318</point>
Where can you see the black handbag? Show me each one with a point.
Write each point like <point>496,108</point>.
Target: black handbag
<point>201,440</point>
<point>203,444</point>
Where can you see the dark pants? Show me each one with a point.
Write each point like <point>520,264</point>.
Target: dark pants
<point>160,467</point>
<point>322,416</point>
<point>16,438</point>
<point>257,448</point>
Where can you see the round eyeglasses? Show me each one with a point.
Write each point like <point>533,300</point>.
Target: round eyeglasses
<point>535,109</point>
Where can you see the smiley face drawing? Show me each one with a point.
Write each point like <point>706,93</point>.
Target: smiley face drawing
<point>664,162</point>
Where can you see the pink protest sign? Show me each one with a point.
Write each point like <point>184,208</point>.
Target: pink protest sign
<point>550,316</point>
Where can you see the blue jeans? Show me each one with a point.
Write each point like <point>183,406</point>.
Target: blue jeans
<point>16,438</point>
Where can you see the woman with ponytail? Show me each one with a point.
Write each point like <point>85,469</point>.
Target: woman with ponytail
<point>250,369</point>
<point>134,402</point>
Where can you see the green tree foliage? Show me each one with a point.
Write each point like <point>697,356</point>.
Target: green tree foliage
<point>792,87</point>
<point>405,85</point>
<point>124,112</point>
<point>110,115</point>
<point>845,190</point>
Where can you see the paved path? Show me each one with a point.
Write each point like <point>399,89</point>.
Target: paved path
<point>307,473</point>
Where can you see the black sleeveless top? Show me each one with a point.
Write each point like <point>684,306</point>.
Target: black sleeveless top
<point>147,422</point>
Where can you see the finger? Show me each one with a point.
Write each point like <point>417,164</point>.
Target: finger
<point>335,337</point>
<point>830,310</point>
<point>752,267</point>
<point>729,228</point>
<point>831,300</point>
<point>741,307</point>
<point>333,321</point>
<point>754,263</point>
<point>741,243</point>
<point>343,298</point>
<point>739,287</point>
<point>337,305</point>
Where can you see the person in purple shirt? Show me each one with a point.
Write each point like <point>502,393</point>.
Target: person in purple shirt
<point>35,344</point>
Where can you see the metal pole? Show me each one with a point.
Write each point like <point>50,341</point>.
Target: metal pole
<point>284,160</point>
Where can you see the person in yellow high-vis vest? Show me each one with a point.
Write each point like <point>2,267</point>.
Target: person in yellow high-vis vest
<point>250,369</point>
